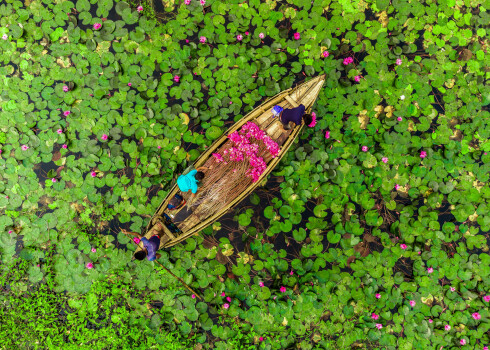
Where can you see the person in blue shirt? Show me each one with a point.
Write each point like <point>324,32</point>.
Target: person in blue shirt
<point>190,181</point>
<point>294,115</point>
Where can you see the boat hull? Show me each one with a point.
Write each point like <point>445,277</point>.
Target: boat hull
<point>305,94</point>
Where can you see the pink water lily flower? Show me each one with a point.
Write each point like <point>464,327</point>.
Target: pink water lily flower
<point>403,246</point>
<point>412,303</point>
<point>66,113</point>
<point>261,35</point>
<point>283,289</point>
<point>364,148</point>
<point>357,78</point>
<point>136,240</point>
<point>89,265</point>
<point>397,186</point>
<point>325,54</point>
<point>64,146</point>
<point>93,174</point>
<point>291,273</point>
<point>261,284</point>
<point>239,37</point>
<point>176,78</point>
<point>25,147</point>
<point>193,296</point>
<point>476,315</point>
<point>261,338</point>
<point>93,250</point>
<point>202,2</point>
<point>104,137</point>
<point>226,305</point>
<point>5,37</point>
<point>452,289</point>
<point>384,159</point>
<point>423,154</point>
<point>228,299</point>
<point>223,294</point>
<point>327,134</point>
<point>202,39</point>
<point>247,33</point>
<point>430,320</point>
<point>379,325</point>
<point>462,341</point>
<point>297,36</point>
<point>398,61</point>
<point>374,316</point>
<point>430,270</point>
<point>53,179</point>
<point>399,119</point>
<point>129,84</point>
<point>313,120</point>
<point>447,327</point>
<point>139,8</point>
<point>378,295</point>
<point>65,88</point>
<point>485,347</point>
<point>187,2</point>
<point>486,298</point>
<point>97,26</point>
<point>348,60</point>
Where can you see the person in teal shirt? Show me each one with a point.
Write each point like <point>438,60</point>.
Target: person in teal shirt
<point>190,181</point>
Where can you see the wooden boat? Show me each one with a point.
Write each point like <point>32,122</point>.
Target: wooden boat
<point>177,225</point>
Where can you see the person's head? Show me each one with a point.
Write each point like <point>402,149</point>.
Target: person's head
<point>308,118</point>
<point>277,110</point>
<point>141,254</point>
<point>199,175</point>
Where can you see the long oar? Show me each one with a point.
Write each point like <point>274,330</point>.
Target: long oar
<point>170,272</point>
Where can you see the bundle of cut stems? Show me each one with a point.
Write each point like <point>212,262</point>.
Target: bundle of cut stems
<point>226,181</point>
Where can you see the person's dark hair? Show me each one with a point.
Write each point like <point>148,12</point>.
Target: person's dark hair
<point>140,255</point>
<point>308,118</point>
<point>199,175</point>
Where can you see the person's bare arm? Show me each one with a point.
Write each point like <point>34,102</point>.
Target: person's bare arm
<point>131,233</point>
<point>190,200</point>
<point>202,168</point>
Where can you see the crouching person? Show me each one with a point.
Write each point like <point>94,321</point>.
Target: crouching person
<point>150,246</point>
